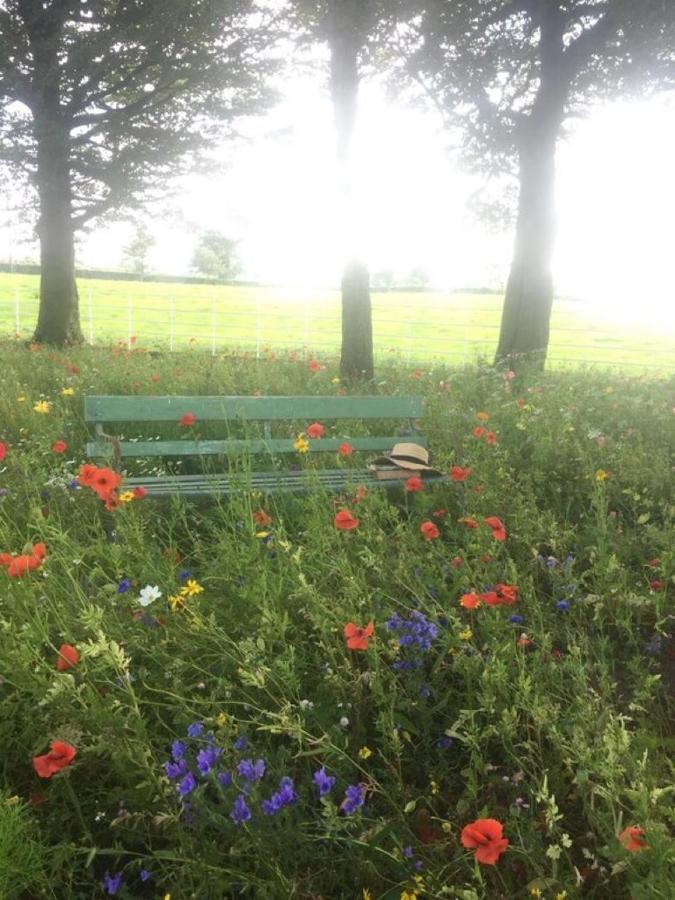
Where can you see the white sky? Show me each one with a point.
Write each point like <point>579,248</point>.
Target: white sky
<point>616,196</point>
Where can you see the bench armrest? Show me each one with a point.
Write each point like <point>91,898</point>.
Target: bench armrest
<point>110,439</point>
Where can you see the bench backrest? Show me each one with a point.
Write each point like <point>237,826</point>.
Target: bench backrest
<point>235,411</point>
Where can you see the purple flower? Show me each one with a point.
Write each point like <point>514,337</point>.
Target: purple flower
<point>225,778</point>
<point>124,586</point>
<point>323,781</point>
<point>178,749</point>
<point>355,796</point>
<point>283,797</point>
<point>187,784</point>
<point>145,875</point>
<point>207,758</point>
<point>444,742</point>
<point>408,852</point>
<point>562,605</point>
<point>516,619</point>
<point>175,770</point>
<point>241,743</point>
<point>112,883</point>
<point>416,631</point>
<point>240,812</point>
<point>251,771</point>
<point>184,574</point>
<point>195,729</point>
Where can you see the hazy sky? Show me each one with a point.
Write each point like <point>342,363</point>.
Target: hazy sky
<point>616,195</point>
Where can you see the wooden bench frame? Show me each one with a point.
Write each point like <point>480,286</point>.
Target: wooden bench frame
<point>101,411</point>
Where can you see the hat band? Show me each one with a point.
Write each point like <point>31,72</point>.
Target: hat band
<point>412,459</point>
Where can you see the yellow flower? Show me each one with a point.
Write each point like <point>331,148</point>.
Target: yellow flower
<point>601,475</point>
<point>126,497</point>
<point>366,895</point>
<point>465,634</point>
<point>41,406</point>
<point>191,587</point>
<point>21,399</point>
<point>434,787</point>
<point>301,444</point>
<point>221,720</point>
<point>561,895</point>
<point>262,534</point>
<point>365,752</point>
<point>167,896</point>
<point>68,392</point>
<point>535,892</point>
<point>409,895</point>
<point>335,380</point>
<point>176,602</point>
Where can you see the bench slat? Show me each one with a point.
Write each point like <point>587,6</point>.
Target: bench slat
<point>308,408</point>
<point>226,448</point>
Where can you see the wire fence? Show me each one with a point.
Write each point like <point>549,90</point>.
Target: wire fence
<point>455,328</point>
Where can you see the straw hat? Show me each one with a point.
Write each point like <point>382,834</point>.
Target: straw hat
<point>407,456</point>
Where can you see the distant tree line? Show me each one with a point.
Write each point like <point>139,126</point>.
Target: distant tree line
<point>101,102</point>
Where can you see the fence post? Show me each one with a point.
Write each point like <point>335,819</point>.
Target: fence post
<point>258,325</point>
<point>17,312</point>
<point>213,327</point>
<point>171,323</point>
<point>130,320</point>
<point>90,307</point>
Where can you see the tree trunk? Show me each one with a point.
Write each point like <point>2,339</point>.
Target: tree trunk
<point>529,291</point>
<point>356,359</point>
<point>59,316</point>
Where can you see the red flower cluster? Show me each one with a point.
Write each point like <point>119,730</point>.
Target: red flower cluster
<point>345,521</point>
<point>501,595</point>
<point>485,837</point>
<point>497,526</point>
<point>480,432</point>
<point>16,566</point>
<point>429,531</point>
<point>457,473</point>
<point>103,481</point>
<point>315,430</point>
<point>413,485</point>
<point>60,755</point>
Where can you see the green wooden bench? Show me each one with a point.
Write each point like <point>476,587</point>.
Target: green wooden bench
<point>235,453</point>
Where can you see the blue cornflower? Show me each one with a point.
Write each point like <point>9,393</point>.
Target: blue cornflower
<point>124,586</point>
<point>145,875</point>
<point>323,781</point>
<point>178,749</point>
<point>551,562</point>
<point>425,692</point>
<point>283,797</point>
<point>562,605</point>
<point>241,743</point>
<point>225,778</point>
<point>207,758</point>
<point>251,771</point>
<point>240,812</point>
<point>516,619</point>
<point>112,883</point>
<point>175,770</point>
<point>408,852</point>
<point>415,631</point>
<point>567,562</point>
<point>74,485</point>
<point>195,729</point>
<point>184,574</point>
<point>187,784</point>
<point>355,796</point>
<point>444,742</point>
<point>418,865</point>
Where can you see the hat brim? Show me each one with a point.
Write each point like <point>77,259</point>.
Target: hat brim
<point>410,465</point>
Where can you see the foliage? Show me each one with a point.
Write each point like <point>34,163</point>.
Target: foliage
<point>216,256</point>
<point>136,251</point>
<point>551,714</point>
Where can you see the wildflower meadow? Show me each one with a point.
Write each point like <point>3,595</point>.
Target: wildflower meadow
<point>459,689</point>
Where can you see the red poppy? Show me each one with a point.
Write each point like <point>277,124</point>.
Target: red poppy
<point>59,756</point>
<point>59,447</point>
<point>490,598</point>
<point>654,563</point>
<point>457,473</point>
<point>468,521</point>
<point>413,484</point>
<point>139,493</point>
<point>187,419</point>
<point>18,565</point>
<point>3,451</point>
<point>345,449</point>
<point>87,474</point>
<point>508,593</point>
<point>68,657</point>
<point>105,482</point>
<point>456,562</point>
<point>345,521</point>
<point>429,531</point>
<point>470,601</point>
<point>357,637</point>
<point>497,526</point>
<point>490,438</point>
<point>315,430</point>
<point>439,513</point>
<point>656,584</point>
<point>314,365</point>
<point>478,431</point>
<point>632,839</point>
<point>260,517</point>
<point>485,837</point>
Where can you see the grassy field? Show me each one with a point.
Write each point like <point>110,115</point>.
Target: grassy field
<point>454,327</point>
<point>188,711</point>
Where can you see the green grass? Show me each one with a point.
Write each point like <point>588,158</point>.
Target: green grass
<point>564,736</point>
<point>416,326</point>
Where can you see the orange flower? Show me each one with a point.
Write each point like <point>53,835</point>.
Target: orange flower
<point>632,839</point>
<point>18,565</point>
<point>429,530</point>
<point>491,438</point>
<point>413,484</point>
<point>59,756</point>
<point>68,657</point>
<point>497,526</point>
<point>485,836</point>
<point>315,430</point>
<point>345,449</point>
<point>187,419</point>
<point>478,431</point>
<point>482,416</point>
<point>345,521</point>
<point>357,638</point>
<point>470,601</point>
<point>457,473</point>
<point>468,521</point>
<point>59,447</point>
<point>260,517</point>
